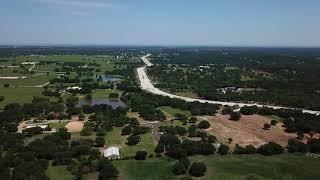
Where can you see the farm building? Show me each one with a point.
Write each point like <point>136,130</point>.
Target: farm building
<point>112,153</point>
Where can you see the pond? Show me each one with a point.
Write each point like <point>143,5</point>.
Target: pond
<point>110,78</point>
<point>115,103</point>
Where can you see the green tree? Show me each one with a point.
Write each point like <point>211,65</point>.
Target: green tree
<point>198,169</point>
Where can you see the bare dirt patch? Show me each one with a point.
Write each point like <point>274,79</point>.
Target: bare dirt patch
<point>75,126</point>
<point>248,130</point>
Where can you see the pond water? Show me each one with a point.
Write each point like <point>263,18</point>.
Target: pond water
<point>115,103</point>
<point>111,78</point>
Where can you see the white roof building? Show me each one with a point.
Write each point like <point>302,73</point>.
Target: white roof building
<point>42,126</point>
<point>112,153</point>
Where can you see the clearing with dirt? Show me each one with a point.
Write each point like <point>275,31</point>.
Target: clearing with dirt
<point>248,130</point>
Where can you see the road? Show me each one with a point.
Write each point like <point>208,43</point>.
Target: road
<point>146,85</point>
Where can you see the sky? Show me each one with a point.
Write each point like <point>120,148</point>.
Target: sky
<point>161,22</point>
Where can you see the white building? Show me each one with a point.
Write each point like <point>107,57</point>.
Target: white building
<point>42,126</point>
<point>112,153</point>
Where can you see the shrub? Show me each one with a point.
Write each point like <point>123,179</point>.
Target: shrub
<point>204,125</point>
<point>141,155</point>
<point>179,168</point>
<point>235,116</point>
<point>273,122</point>
<point>198,169</point>
<point>223,149</point>
<point>271,148</point>
<point>127,130</point>
<point>133,140</point>
<point>193,120</point>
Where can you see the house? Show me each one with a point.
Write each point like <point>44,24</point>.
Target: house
<point>112,153</point>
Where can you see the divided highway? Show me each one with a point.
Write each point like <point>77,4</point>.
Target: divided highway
<point>146,85</point>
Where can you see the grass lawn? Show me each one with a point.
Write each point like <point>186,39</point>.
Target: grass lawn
<point>230,167</point>
<point>114,138</point>
<point>58,125</point>
<point>103,93</point>
<point>59,173</point>
<point>147,143</point>
<point>187,94</point>
<point>173,111</point>
<point>18,95</point>
<point>29,81</point>
<point>155,169</point>
<point>76,135</point>
<point>90,176</point>
<point>171,123</point>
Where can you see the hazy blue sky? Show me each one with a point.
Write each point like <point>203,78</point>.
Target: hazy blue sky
<point>161,22</point>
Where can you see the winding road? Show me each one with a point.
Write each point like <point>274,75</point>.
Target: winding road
<point>146,85</point>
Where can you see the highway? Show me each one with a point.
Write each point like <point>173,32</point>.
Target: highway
<point>146,85</point>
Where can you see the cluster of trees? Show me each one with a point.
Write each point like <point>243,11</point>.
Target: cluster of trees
<point>176,148</point>
<point>313,146</point>
<point>268,149</point>
<point>197,169</point>
<point>31,161</point>
<point>151,102</point>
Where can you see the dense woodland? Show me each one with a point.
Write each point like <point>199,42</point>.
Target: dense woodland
<point>246,76</point>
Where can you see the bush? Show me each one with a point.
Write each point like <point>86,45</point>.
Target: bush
<point>271,148</point>
<point>99,141</point>
<point>198,169</point>
<point>1,98</point>
<point>248,149</point>
<point>185,161</point>
<point>296,146</point>
<point>266,126</point>
<point>141,155</point>
<point>249,110</point>
<point>212,139</point>
<point>159,148</point>
<point>179,168</point>
<point>113,95</point>
<point>223,149</point>
<point>6,85</point>
<point>273,122</point>
<point>193,120</point>
<point>204,125</point>
<point>127,130</point>
<point>235,116</point>
<point>133,140</point>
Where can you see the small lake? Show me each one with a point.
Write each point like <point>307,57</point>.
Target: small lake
<point>110,78</point>
<point>115,103</point>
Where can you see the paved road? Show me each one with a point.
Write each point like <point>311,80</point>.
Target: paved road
<point>146,85</point>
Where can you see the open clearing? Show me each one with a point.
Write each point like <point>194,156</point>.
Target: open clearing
<point>248,130</point>
<point>75,126</point>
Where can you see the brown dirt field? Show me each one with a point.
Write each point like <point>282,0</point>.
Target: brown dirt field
<point>75,126</point>
<point>248,130</point>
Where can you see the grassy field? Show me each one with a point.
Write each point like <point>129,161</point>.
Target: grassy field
<point>59,173</point>
<point>35,80</point>
<point>58,125</point>
<point>155,169</point>
<point>173,111</point>
<point>19,95</point>
<point>231,167</point>
<point>103,93</point>
<point>114,138</point>
<point>147,144</point>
